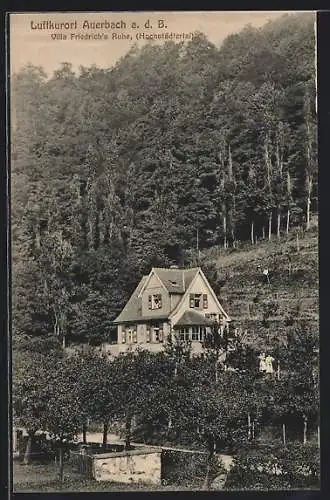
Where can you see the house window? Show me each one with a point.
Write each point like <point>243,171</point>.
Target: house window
<point>195,333</point>
<point>202,333</point>
<point>148,335</point>
<point>205,301</point>
<point>155,301</point>
<point>184,333</point>
<point>157,333</point>
<point>123,336</point>
<point>195,300</point>
<point>134,336</point>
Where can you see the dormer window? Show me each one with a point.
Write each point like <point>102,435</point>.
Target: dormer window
<point>155,301</point>
<point>173,283</point>
<point>195,300</point>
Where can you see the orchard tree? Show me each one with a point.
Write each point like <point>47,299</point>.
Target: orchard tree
<point>64,413</point>
<point>297,393</point>
<point>218,342</point>
<point>32,362</point>
<point>98,388</point>
<point>137,377</point>
<point>215,409</point>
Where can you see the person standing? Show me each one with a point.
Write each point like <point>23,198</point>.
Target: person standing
<point>269,364</point>
<point>262,362</point>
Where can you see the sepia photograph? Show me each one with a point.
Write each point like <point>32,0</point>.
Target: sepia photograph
<point>164,251</point>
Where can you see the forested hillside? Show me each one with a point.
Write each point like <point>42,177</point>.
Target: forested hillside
<point>263,305</point>
<point>178,145</point>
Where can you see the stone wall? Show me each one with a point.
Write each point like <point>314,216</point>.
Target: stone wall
<point>136,466</point>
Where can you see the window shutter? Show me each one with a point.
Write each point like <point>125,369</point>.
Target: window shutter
<point>160,302</point>
<point>148,335</point>
<point>205,303</point>
<point>149,302</point>
<point>160,335</point>
<point>134,336</point>
<point>192,300</point>
<point>123,337</point>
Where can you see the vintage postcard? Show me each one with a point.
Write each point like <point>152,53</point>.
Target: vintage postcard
<point>164,234</point>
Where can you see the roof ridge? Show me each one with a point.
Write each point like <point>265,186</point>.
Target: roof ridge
<point>167,269</point>
<point>177,268</point>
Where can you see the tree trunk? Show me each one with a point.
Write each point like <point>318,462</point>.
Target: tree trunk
<point>263,232</point>
<point>56,326</point>
<point>253,429</point>
<point>288,221</point>
<point>297,242</point>
<point>305,429</point>
<point>270,226</point>
<point>27,454</point>
<point>197,243</point>
<point>96,238</point>
<point>224,231</point>
<point>278,223</point>
<point>284,434</point>
<point>252,232</point>
<point>216,369</point>
<point>207,482</point>
<point>233,239</point>
<point>128,428</point>
<point>105,434</point>
<point>84,433</point>
<point>308,209</point>
<point>249,426</point>
<point>61,462</point>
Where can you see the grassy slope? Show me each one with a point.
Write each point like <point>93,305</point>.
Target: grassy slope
<point>292,292</point>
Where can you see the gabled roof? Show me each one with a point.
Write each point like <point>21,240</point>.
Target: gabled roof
<point>189,318</point>
<point>194,276</point>
<point>175,280</point>
<point>133,309</point>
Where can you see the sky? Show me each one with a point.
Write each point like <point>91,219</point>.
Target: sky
<point>28,44</point>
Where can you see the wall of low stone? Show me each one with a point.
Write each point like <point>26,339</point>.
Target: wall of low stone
<point>135,466</point>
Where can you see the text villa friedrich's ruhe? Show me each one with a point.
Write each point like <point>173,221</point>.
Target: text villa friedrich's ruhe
<point>89,30</point>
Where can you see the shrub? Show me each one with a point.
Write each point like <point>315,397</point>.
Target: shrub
<point>276,468</point>
<point>187,469</point>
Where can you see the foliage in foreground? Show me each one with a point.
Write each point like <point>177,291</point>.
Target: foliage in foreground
<point>296,466</point>
<point>217,410</point>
